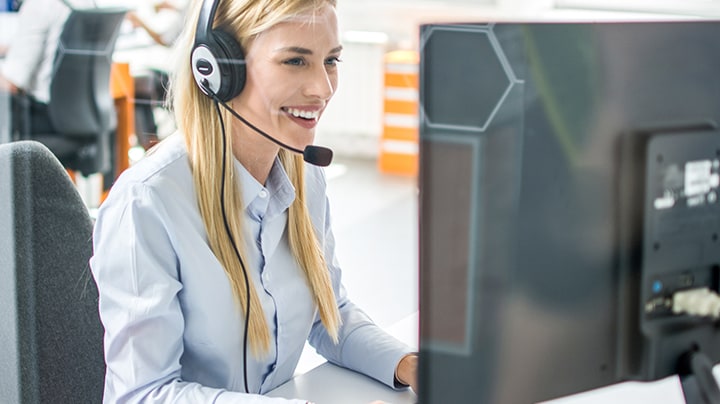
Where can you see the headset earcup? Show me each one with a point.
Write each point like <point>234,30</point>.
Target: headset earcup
<point>231,61</point>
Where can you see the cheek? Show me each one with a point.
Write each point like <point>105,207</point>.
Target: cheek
<point>333,77</point>
<point>260,97</point>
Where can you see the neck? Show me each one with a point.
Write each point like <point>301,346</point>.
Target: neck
<point>255,153</point>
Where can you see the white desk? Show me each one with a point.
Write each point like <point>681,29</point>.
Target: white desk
<point>328,384</point>
<point>664,391</point>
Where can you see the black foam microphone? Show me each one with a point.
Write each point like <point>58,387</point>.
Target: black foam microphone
<point>315,155</point>
<point>318,155</point>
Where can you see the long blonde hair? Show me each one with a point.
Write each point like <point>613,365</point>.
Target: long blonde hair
<point>198,120</point>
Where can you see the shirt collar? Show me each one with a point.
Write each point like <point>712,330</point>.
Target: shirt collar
<point>269,200</point>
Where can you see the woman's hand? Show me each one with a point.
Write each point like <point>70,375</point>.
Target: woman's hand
<point>406,371</point>
<point>166,5</point>
<point>6,86</point>
<point>134,19</point>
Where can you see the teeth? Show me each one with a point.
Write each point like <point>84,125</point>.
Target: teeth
<point>303,114</point>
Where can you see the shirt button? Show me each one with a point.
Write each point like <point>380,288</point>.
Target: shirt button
<point>263,194</point>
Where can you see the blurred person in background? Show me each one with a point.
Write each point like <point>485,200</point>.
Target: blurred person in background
<point>27,66</point>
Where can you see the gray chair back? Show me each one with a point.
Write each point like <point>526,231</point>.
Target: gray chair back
<point>51,338</point>
<point>81,106</point>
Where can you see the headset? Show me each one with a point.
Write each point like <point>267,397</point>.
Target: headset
<point>218,61</point>
<point>218,67</point>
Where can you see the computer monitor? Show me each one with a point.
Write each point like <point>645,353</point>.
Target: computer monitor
<point>568,190</point>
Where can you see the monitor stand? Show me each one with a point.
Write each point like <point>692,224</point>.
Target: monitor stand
<point>696,377</point>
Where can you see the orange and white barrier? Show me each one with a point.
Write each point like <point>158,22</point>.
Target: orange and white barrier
<point>399,140</point>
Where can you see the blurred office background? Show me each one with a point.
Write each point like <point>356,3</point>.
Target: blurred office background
<point>373,187</point>
<point>372,122</point>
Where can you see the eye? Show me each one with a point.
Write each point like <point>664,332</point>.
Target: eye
<point>298,61</point>
<point>332,61</point>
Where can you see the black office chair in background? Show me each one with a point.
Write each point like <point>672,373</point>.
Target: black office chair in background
<point>81,106</point>
<point>51,337</point>
<point>150,93</point>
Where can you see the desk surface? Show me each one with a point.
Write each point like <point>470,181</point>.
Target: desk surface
<point>327,383</point>
<point>330,384</point>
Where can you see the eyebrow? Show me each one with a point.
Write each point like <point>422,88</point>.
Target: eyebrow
<point>306,51</point>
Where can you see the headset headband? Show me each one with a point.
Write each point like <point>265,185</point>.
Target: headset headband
<point>218,61</point>
<point>203,32</point>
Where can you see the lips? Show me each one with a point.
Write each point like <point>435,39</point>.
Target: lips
<point>305,117</point>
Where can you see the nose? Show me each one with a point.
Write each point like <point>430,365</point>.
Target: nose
<point>320,84</point>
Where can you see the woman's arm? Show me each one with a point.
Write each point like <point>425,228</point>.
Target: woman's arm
<point>7,86</point>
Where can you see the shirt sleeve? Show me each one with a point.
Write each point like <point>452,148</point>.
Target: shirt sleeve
<point>27,49</point>
<point>135,268</point>
<point>363,346</point>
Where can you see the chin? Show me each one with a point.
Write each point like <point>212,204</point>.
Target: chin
<point>303,139</point>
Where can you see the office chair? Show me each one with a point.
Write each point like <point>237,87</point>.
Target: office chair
<point>150,93</point>
<point>51,337</point>
<point>81,108</point>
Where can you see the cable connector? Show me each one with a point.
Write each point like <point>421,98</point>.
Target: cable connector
<point>697,302</point>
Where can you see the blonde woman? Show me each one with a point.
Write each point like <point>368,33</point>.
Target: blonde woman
<point>218,210</point>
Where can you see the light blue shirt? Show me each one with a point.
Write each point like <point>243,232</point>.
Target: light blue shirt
<point>173,329</point>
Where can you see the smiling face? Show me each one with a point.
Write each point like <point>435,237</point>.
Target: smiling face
<point>291,76</point>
